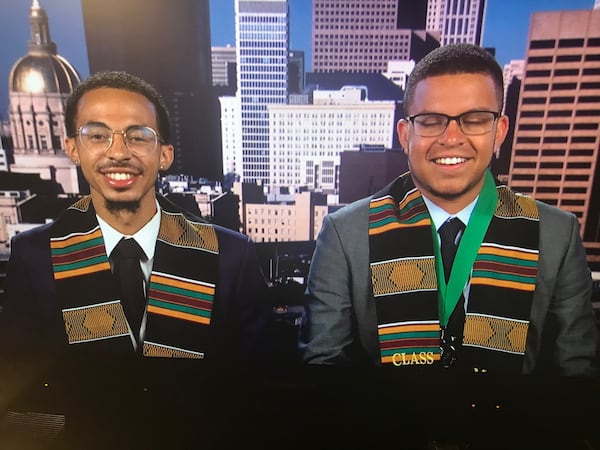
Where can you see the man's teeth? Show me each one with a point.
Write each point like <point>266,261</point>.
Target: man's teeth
<point>449,161</point>
<point>119,176</point>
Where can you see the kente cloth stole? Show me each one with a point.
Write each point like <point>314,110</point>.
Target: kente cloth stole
<point>405,285</point>
<point>180,291</point>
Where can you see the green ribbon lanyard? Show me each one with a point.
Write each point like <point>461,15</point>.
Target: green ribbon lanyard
<point>467,249</point>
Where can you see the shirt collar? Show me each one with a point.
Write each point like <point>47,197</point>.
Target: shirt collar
<point>145,237</point>
<point>439,215</point>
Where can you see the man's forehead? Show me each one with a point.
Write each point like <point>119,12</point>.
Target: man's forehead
<point>107,104</point>
<point>104,91</point>
<point>122,98</point>
<point>449,84</point>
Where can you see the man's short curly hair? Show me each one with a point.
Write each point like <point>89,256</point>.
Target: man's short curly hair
<point>455,59</point>
<point>124,81</point>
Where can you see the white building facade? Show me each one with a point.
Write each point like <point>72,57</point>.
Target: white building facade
<point>231,139</point>
<point>307,140</point>
<point>299,220</point>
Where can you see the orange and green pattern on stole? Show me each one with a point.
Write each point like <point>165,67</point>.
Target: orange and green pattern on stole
<point>180,298</point>
<point>181,289</point>
<point>404,281</point>
<point>408,326</point>
<point>79,261</point>
<point>78,254</point>
<point>384,216</point>
<point>503,282</point>
<point>182,284</point>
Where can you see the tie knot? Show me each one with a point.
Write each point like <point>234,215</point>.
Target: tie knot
<point>128,248</point>
<point>450,229</point>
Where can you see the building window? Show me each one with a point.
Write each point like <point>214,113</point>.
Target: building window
<point>539,44</point>
<point>538,73</point>
<point>566,72</point>
<point>553,152</point>
<point>539,59</point>
<point>532,113</point>
<point>563,86</point>
<point>562,100</point>
<point>526,153</point>
<point>555,139</point>
<point>569,43</point>
<point>568,58</point>
<point>534,100</point>
<point>557,126</point>
<point>523,177</point>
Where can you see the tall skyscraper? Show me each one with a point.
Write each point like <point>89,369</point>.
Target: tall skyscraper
<point>457,20</point>
<point>167,44</point>
<point>262,45</point>
<point>39,84</point>
<point>556,147</point>
<point>364,35</point>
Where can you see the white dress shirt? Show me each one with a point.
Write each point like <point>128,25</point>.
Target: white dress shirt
<point>439,216</point>
<point>146,238</point>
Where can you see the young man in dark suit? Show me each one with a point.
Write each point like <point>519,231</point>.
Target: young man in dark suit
<point>204,295</point>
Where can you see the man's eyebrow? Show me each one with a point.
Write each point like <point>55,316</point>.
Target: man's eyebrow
<point>102,124</point>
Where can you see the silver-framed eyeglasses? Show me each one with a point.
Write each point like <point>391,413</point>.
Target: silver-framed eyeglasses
<point>470,123</point>
<point>97,137</point>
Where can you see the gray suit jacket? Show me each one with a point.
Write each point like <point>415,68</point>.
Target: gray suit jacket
<point>341,324</point>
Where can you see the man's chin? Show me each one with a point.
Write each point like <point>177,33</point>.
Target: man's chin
<point>120,206</point>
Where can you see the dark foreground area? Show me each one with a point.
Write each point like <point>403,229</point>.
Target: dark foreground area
<point>176,404</point>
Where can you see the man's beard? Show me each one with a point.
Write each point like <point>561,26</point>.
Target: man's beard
<point>117,207</point>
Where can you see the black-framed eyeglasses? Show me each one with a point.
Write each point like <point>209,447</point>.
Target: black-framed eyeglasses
<point>97,137</point>
<point>470,123</point>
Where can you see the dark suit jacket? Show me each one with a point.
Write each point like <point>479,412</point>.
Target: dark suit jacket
<point>341,325</point>
<point>32,323</point>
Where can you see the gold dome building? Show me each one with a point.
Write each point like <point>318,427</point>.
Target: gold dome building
<point>39,84</point>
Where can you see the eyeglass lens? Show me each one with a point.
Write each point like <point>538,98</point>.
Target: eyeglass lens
<point>476,122</point>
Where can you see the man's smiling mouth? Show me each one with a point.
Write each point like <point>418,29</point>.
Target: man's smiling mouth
<point>119,176</point>
<point>449,161</point>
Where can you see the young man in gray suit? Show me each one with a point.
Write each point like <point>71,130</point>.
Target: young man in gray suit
<point>517,298</point>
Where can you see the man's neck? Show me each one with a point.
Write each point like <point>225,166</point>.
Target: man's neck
<point>452,205</point>
<point>124,220</point>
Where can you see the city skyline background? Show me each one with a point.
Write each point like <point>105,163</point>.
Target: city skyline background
<point>66,26</point>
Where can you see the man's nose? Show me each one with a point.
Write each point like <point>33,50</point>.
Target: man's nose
<point>118,147</point>
<point>453,131</point>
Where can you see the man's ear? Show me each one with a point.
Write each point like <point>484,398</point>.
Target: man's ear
<point>72,150</point>
<point>402,130</point>
<point>167,154</point>
<point>501,131</point>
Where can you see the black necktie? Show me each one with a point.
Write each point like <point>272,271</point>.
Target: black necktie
<point>126,257</point>
<point>452,334</point>
<point>449,242</point>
